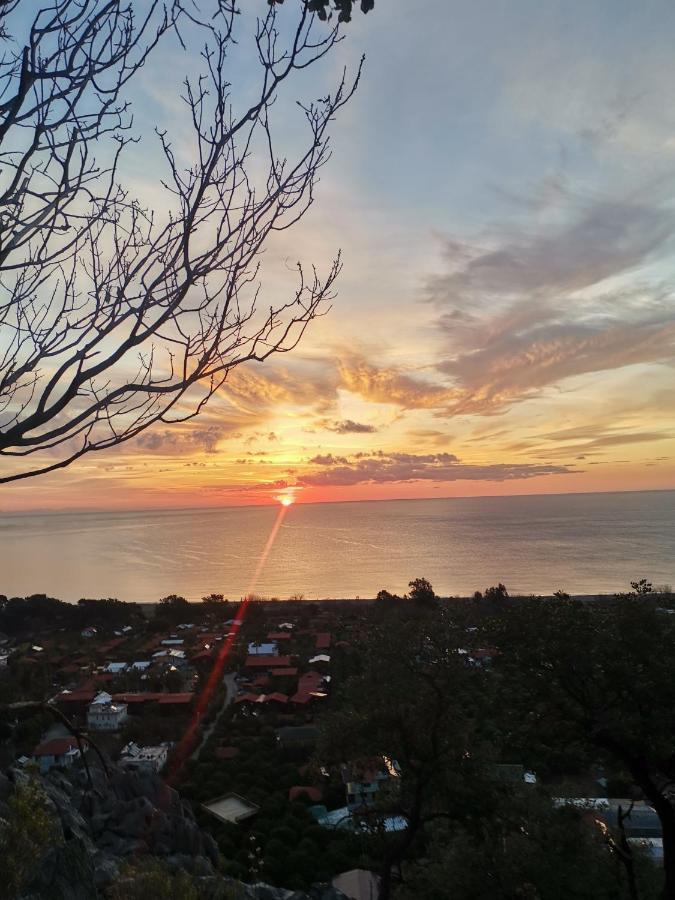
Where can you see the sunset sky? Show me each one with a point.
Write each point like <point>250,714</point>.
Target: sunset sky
<point>502,187</point>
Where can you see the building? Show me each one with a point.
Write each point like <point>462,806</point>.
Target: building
<point>364,779</point>
<point>135,758</point>
<point>268,649</point>
<point>59,751</point>
<point>104,714</point>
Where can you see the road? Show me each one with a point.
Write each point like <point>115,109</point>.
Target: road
<point>231,688</point>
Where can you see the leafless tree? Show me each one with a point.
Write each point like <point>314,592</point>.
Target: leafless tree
<point>114,317</point>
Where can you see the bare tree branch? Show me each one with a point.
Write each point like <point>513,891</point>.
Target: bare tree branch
<point>113,317</point>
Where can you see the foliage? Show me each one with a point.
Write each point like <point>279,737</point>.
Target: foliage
<point>28,831</point>
<point>601,676</point>
<point>324,8</point>
<point>421,592</point>
<point>496,593</point>
<point>425,715</point>
<point>149,878</point>
<point>528,850</point>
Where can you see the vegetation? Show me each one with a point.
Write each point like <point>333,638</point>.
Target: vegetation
<point>26,834</point>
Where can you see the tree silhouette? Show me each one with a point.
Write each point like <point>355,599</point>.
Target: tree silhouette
<point>114,317</point>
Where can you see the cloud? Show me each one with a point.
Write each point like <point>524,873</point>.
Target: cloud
<point>391,385</point>
<point>588,440</point>
<point>180,441</point>
<point>384,468</point>
<point>347,426</point>
<point>531,310</point>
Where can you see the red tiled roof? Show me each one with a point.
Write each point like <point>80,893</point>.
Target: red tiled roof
<point>247,698</point>
<point>145,697</point>
<point>166,699</point>
<point>310,680</point>
<point>315,794</point>
<point>323,641</point>
<point>57,746</point>
<point>279,636</point>
<point>267,662</point>
<point>276,698</point>
<point>301,697</point>
<point>283,673</point>
<point>79,696</point>
<point>203,654</point>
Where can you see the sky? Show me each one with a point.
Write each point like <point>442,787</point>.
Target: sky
<point>502,190</point>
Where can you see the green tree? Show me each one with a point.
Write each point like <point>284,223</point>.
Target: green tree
<point>25,835</point>
<point>603,677</point>
<point>414,701</point>
<point>527,850</point>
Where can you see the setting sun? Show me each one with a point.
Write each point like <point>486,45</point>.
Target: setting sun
<point>286,501</point>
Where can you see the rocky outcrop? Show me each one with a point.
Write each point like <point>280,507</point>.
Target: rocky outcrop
<point>125,815</point>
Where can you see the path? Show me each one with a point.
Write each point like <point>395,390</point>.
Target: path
<point>231,688</point>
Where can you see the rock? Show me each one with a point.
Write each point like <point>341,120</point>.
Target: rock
<point>66,872</point>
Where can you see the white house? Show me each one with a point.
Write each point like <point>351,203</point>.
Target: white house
<point>135,758</point>
<point>59,751</point>
<point>104,715</point>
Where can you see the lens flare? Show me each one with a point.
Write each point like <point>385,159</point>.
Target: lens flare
<point>188,742</point>
<point>286,500</point>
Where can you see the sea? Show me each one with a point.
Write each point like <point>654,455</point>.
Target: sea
<point>581,543</point>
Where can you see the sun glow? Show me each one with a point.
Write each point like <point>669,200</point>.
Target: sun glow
<point>286,500</point>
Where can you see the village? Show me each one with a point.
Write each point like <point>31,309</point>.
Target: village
<point>227,703</point>
<point>249,691</point>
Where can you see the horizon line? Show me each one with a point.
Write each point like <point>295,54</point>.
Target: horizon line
<point>173,509</point>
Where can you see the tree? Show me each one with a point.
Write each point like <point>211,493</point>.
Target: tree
<point>323,8</point>
<point>496,594</point>
<point>114,317</point>
<point>421,592</point>
<point>214,600</point>
<point>426,716</point>
<point>174,609</point>
<point>25,835</point>
<point>603,676</point>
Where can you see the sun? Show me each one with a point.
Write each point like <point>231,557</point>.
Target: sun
<point>286,500</point>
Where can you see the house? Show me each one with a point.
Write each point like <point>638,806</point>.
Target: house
<point>104,714</point>
<point>172,642</point>
<point>269,649</point>
<point>364,778</point>
<point>176,701</point>
<point>141,665</point>
<point>135,758</point>
<point>358,884</point>
<point>232,808</point>
<point>323,641</point>
<point>58,751</point>
<point>267,662</point>
<point>116,668</point>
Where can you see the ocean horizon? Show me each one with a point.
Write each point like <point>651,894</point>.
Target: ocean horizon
<point>581,543</point>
